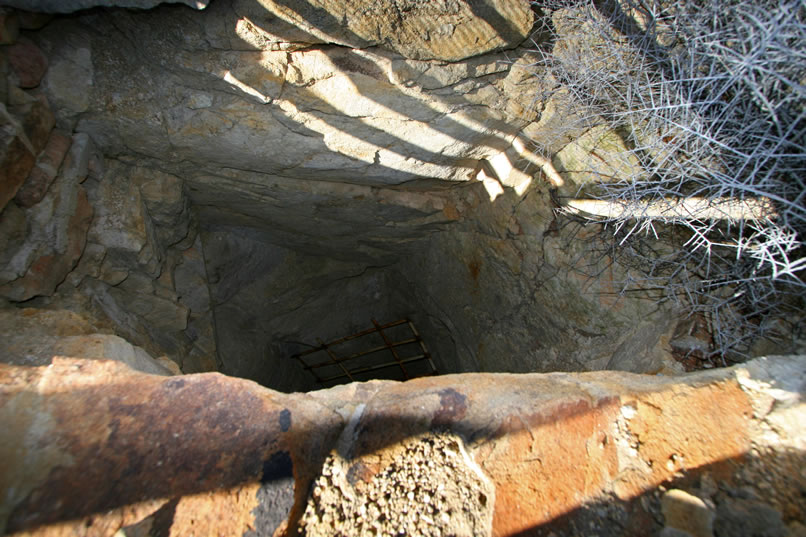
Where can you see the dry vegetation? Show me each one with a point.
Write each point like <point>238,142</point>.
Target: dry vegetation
<point>709,100</point>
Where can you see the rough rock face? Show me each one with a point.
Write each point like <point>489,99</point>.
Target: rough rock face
<point>227,186</point>
<point>267,299</point>
<point>436,30</point>
<point>514,290</point>
<point>27,122</point>
<point>328,111</point>
<point>561,453</point>
<point>34,337</point>
<point>46,228</point>
<point>90,234</point>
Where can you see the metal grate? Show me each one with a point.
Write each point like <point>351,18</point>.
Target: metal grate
<point>392,351</point>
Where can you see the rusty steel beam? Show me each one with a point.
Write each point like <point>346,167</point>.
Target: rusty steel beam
<point>81,438</point>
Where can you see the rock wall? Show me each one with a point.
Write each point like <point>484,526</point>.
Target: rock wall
<point>222,186</point>
<point>113,241</point>
<point>515,287</point>
<point>96,448</point>
<point>325,111</point>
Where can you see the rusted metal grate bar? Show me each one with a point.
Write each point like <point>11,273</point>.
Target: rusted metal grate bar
<point>391,348</point>
<point>349,365</point>
<point>336,361</point>
<point>379,366</point>
<point>358,354</point>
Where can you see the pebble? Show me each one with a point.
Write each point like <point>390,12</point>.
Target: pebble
<point>687,512</point>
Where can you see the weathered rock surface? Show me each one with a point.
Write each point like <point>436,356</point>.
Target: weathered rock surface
<point>503,291</point>
<point>483,285</point>
<point>95,235</point>
<point>283,114</point>
<point>97,446</point>
<point>226,187</point>
<point>48,244</point>
<point>330,165</point>
<point>44,171</point>
<point>33,337</point>
<point>24,132</point>
<point>193,292</point>
<point>122,225</point>
<point>433,472</point>
<point>270,302</point>
<point>125,278</point>
<point>441,30</point>
<point>28,64</point>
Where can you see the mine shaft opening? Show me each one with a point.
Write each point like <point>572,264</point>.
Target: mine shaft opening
<point>314,262</point>
<point>337,300</point>
<point>279,197</point>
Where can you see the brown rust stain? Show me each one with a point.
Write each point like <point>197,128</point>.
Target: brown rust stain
<point>224,512</point>
<point>363,472</point>
<point>544,464</point>
<point>450,211</point>
<point>686,427</point>
<point>474,267</point>
<point>452,407</point>
<point>145,437</point>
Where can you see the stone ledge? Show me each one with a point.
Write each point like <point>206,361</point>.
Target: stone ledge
<point>97,445</point>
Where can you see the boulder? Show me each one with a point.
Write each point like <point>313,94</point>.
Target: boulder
<point>687,513</point>
<point>25,130</point>
<point>44,171</point>
<point>28,63</point>
<point>55,234</point>
<point>33,337</point>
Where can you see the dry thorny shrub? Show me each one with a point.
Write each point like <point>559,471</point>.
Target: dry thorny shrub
<point>709,100</point>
